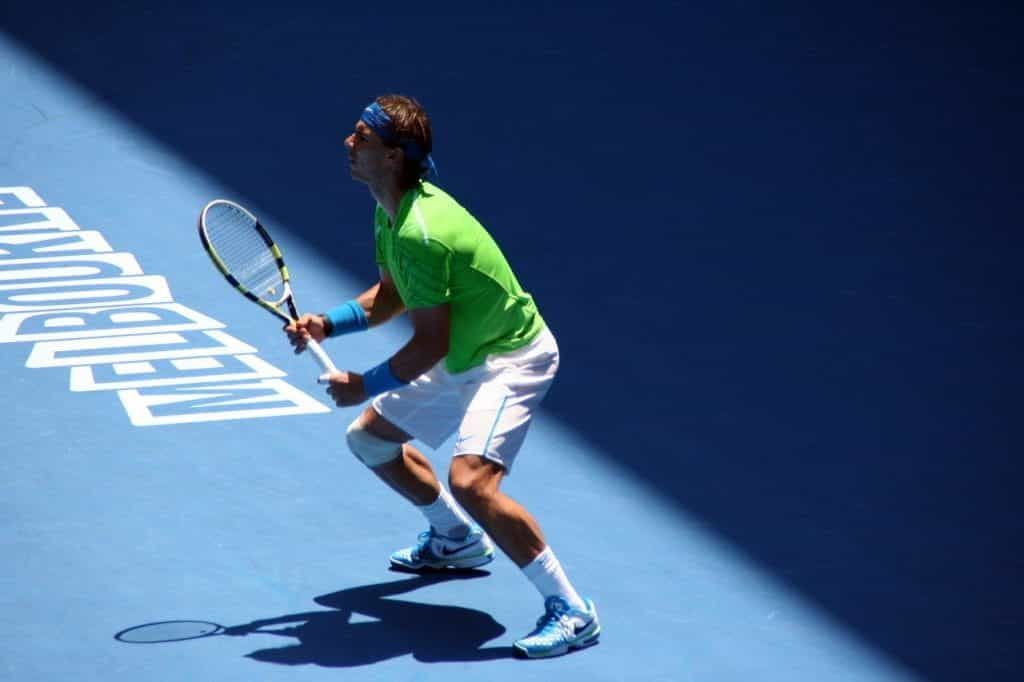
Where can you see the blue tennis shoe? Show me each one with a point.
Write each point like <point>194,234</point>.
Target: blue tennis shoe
<point>439,552</point>
<point>560,630</point>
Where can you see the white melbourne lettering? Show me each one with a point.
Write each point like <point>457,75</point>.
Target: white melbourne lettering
<point>68,267</point>
<point>96,312</point>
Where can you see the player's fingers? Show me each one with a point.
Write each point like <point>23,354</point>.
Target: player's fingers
<point>337,388</point>
<point>298,341</point>
<point>305,321</point>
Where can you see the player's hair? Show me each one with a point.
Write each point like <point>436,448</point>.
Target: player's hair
<point>411,124</point>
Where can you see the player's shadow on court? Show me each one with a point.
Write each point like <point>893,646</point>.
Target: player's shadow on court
<point>368,626</point>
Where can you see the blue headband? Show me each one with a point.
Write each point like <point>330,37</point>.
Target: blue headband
<point>380,123</point>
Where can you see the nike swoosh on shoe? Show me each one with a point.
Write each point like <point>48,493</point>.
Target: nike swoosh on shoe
<point>446,551</point>
<point>579,628</point>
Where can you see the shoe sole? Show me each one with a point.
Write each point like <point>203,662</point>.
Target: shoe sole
<point>588,641</point>
<point>456,564</point>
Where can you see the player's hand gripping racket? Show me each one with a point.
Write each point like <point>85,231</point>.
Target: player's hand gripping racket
<point>245,254</point>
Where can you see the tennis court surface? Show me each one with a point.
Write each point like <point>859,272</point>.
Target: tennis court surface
<point>780,249</point>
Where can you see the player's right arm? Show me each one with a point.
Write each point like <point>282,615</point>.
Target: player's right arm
<point>379,303</point>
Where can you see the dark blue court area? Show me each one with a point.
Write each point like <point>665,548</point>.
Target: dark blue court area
<point>779,244</point>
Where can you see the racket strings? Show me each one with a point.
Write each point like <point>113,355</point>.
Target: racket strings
<point>232,234</point>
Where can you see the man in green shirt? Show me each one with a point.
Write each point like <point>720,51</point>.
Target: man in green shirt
<point>478,364</point>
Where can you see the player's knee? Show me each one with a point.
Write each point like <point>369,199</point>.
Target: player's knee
<point>465,493</point>
<point>370,449</point>
<point>470,486</point>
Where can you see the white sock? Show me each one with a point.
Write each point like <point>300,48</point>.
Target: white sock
<point>546,574</point>
<point>446,517</point>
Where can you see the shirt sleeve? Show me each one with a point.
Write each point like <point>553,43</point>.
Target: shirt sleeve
<point>425,266</point>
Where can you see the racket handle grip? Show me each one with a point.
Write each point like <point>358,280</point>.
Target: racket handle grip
<point>321,359</point>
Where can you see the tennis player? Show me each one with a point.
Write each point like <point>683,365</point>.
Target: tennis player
<point>479,362</point>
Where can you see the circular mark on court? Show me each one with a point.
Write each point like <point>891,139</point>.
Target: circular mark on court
<point>168,631</point>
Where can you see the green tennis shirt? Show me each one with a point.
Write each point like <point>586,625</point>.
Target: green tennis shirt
<point>436,253</point>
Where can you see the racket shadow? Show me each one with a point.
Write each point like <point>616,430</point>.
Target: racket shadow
<point>384,628</point>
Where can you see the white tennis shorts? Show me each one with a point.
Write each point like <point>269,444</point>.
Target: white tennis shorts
<point>491,405</point>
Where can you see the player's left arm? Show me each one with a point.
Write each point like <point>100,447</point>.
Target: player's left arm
<point>429,266</point>
<point>428,345</point>
<point>429,310</point>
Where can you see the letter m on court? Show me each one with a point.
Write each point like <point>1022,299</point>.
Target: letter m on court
<point>216,402</point>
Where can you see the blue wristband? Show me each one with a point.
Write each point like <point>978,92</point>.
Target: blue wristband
<point>346,318</point>
<point>381,379</point>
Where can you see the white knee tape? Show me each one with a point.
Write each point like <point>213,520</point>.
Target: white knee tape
<point>370,449</point>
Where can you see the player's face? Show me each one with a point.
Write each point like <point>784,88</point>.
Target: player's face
<point>368,157</point>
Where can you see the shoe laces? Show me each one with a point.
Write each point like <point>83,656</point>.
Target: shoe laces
<point>423,540</point>
<point>556,618</point>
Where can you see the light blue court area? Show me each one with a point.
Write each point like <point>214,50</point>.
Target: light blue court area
<point>780,447</point>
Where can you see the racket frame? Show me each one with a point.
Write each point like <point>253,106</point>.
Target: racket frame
<point>287,295</point>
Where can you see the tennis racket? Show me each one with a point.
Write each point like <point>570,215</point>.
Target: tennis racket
<point>249,259</point>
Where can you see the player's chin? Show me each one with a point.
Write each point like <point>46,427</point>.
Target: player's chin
<point>357,174</point>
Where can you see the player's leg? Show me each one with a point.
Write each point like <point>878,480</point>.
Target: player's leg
<point>490,436</point>
<point>453,540</point>
<point>475,482</point>
<point>407,471</point>
<point>570,621</point>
